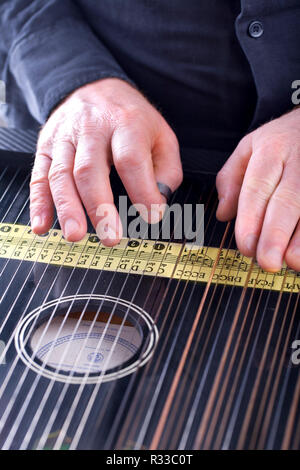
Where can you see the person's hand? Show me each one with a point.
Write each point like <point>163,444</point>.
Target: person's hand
<point>260,185</point>
<point>105,123</point>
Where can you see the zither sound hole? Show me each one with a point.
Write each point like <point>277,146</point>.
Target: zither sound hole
<point>99,343</point>
<point>88,339</point>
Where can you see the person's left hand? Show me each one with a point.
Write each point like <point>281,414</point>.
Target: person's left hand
<point>260,185</point>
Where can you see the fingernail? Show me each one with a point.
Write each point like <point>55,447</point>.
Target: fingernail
<point>70,228</point>
<point>106,232</point>
<point>250,242</point>
<point>273,259</point>
<point>110,234</point>
<point>36,222</point>
<point>155,215</point>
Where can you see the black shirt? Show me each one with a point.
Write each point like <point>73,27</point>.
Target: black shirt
<point>198,61</point>
<point>186,58</point>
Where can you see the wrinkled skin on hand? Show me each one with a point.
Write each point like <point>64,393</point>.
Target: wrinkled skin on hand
<point>105,123</point>
<point>109,122</point>
<point>260,185</point>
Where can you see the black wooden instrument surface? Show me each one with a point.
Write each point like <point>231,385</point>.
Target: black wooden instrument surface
<point>225,381</point>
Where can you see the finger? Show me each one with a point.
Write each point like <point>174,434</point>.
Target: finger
<point>65,196</point>
<point>166,160</point>
<point>259,183</point>
<point>281,218</point>
<point>292,255</point>
<point>41,203</point>
<point>91,173</point>
<point>133,161</point>
<point>230,179</point>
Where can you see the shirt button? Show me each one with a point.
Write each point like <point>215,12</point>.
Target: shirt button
<point>255,29</point>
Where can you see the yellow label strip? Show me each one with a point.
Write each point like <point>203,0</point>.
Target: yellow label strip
<point>148,257</point>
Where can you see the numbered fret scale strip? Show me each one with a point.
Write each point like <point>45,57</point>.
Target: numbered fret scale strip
<point>153,259</point>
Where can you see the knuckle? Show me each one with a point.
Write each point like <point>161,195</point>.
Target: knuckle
<point>37,205</point>
<point>279,232</point>
<point>63,205</point>
<point>89,127</point>
<point>63,139</point>
<point>44,145</point>
<point>36,198</point>
<point>39,198</point>
<point>125,158</point>
<point>274,147</point>
<point>176,174</point>
<point>287,198</point>
<point>89,119</point>
<point>38,179</point>
<point>172,140</point>
<point>57,173</point>
<point>245,141</point>
<point>39,174</point>
<point>82,171</point>
<point>128,114</point>
<point>244,146</point>
<point>262,188</point>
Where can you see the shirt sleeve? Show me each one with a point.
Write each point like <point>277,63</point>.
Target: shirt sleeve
<point>50,51</point>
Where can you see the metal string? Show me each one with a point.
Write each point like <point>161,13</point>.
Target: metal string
<point>8,188</point>
<point>194,408</point>
<point>233,388</point>
<point>37,378</point>
<point>94,318</point>
<point>270,376</point>
<point>212,397</point>
<point>65,389</point>
<point>96,389</point>
<point>20,291</point>
<point>158,362</point>
<point>53,283</point>
<point>275,387</point>
<point>276,420</point>
<point>233,356</point>
<point>80,391</point>
<point>195,373</point>
<point>133,376</point>
<point>241,392</point>
<point>166,409</point>
<point>73,440</point>
<point>241,388</point>
<point>243,432</point>
<point>9,208</point>
<point>3,174</point>
<point>136,291</point>
<point>292,418</point>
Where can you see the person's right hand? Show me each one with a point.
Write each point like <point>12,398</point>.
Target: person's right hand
<point>104,123</point>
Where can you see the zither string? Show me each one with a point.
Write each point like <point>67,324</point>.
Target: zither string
<point>75,401</point>
<point>130,422</point>
<point>99,310</point>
